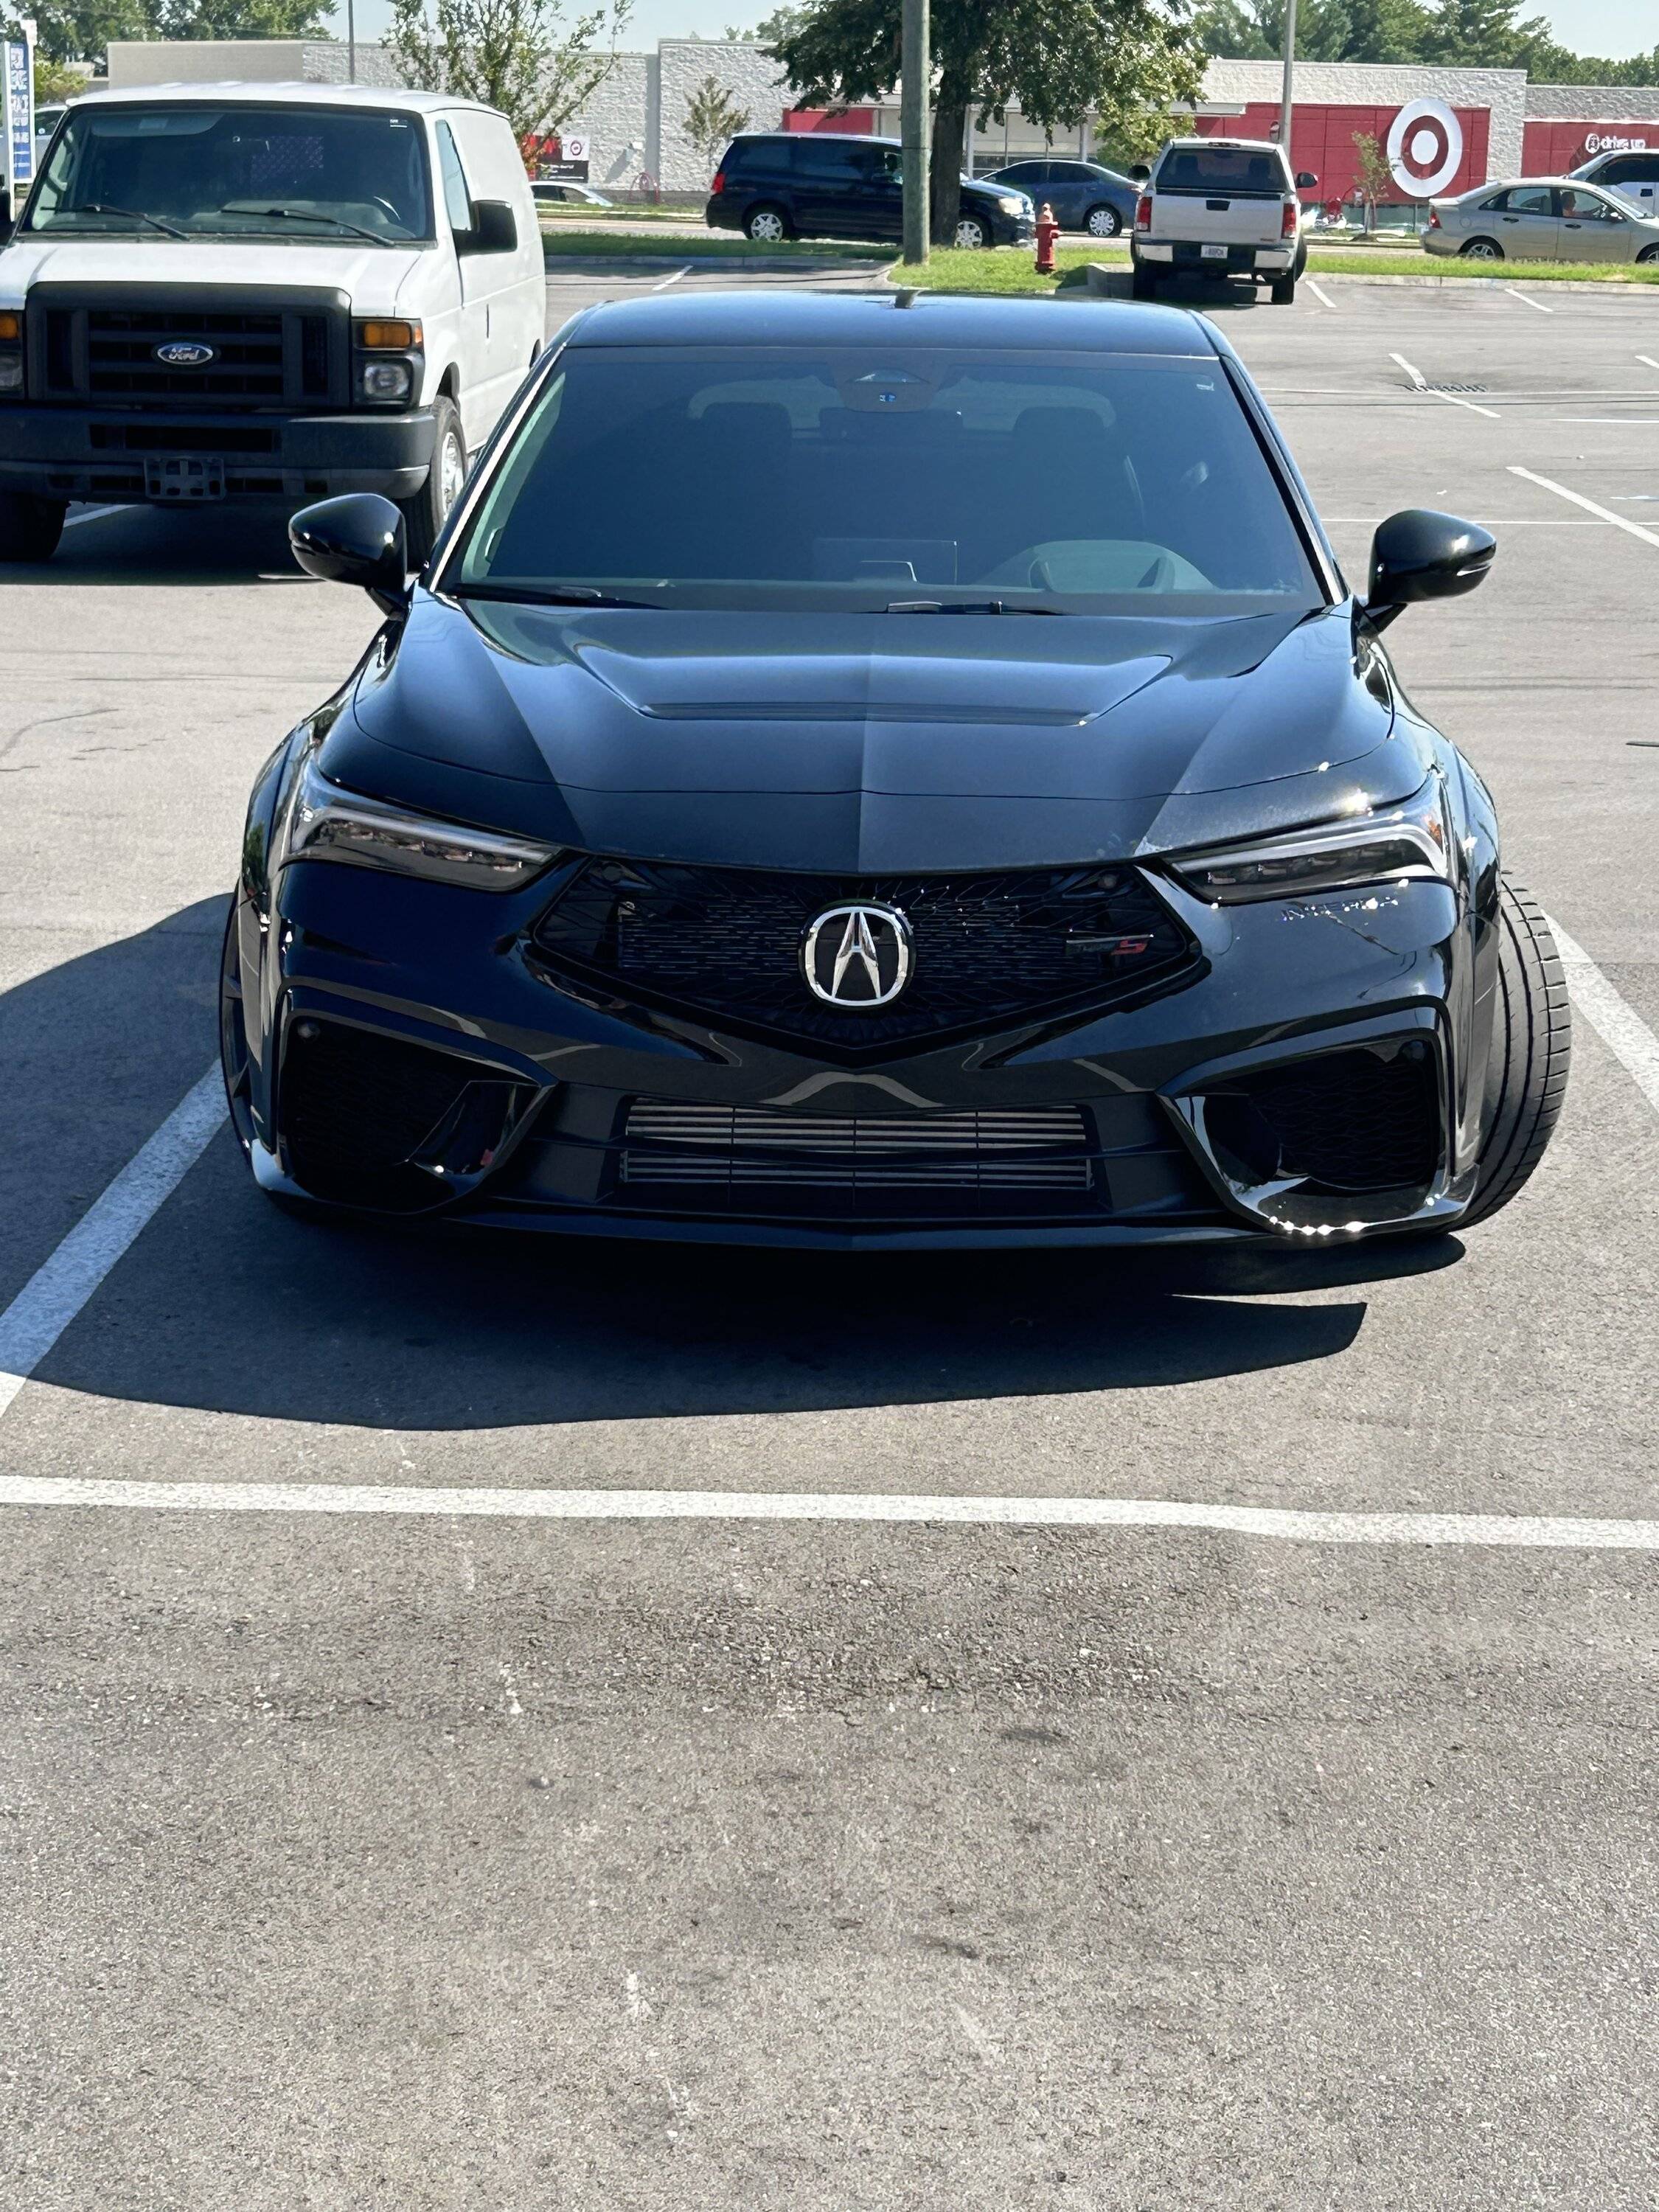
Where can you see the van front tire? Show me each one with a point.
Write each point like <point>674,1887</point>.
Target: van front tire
<point>30,527</point>
<point>425,511</point>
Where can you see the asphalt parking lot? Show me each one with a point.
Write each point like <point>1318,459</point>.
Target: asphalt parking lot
<point>485,1857</point>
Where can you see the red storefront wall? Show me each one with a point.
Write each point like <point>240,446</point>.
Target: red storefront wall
<point>1321,139</point>
<point>1554,149</point>
<point>860,121</point>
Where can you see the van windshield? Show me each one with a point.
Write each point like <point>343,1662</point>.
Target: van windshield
<point>283,171</point>
<point>855,481</point>
<point>1242,172</point>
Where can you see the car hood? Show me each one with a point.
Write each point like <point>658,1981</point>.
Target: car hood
<point>372,275</point>
<point>863,742</point>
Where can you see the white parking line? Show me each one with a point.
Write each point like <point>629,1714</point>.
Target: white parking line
<point>1618,1024</point>
<point>1420,382</point>
<point>90,514</point>
<point>1525,301</point>
<point>1285,1524</point>
<point>1647,361</point>
<point>61,1286</point>
<point>1324,298</point>
<point>1561,491</point>
<point>674,279</point>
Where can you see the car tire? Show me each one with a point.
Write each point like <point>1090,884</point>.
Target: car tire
<point>1282,290</point>
<point>970,234</point>
<point>1531,1052</point>
<point>1648,253</point>
<point>767,226</point>
<point>30,527</point>
<point>1142,284</point>
<point>1480,249</point>
<point>1102,221</point>
<point>426,512</point>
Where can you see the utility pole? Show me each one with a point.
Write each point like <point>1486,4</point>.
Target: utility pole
<point>916,73</point>
<point>351,42</point>
<point>1287,90</point>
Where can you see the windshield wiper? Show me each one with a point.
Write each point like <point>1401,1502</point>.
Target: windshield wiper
<point>128,214</point>
<point>965,607</point>
<point>558,595</point>
<point>304,214</point>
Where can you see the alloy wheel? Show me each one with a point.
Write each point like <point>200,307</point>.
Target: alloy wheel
<point>766,229</point>
<point>969,234</point>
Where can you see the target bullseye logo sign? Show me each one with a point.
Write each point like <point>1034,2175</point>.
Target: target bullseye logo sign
<point>1425,148</point>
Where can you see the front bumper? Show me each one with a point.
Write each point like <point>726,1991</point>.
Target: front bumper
<point>112,454</point>
<point>568,1109</point>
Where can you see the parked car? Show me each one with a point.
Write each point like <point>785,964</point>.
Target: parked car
<point>774,185</point>
<point>1083,196</point>
<point>564,194</point>
<point>1221,207</point>
<point>872,772</point>
<point>227,292</point>
<point>1632,172</point>
<point>1541,219</point>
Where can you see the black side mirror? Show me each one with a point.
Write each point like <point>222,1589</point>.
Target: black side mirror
<point>1140,174</point>
<point>358,538</point>
<point>1306,181</point>
<point>494,229</point>
<point>1420,555</point>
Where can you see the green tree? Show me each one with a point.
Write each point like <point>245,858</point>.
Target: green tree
<point>1488,34</point>
<point>1326,30</point>
<point>517,55</point>
<point>712,119</point>
<point>1372,174</point>
<point>82,32</point>
<point>244,19</point>
<point>1062,62</point>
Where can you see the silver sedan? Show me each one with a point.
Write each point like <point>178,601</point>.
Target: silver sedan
<point>1541,219</point>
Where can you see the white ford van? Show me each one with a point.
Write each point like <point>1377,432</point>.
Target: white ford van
<point>263,291</point>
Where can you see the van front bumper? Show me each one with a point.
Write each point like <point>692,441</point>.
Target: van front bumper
<point>196,459</point>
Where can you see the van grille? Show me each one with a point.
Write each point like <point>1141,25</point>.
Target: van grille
<point>88,344</point>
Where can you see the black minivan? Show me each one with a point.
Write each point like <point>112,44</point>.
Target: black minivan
<point>774,185</point>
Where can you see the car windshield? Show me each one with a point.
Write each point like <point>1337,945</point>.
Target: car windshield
<point>1240,171</point>
<point>845,479</point>
<point>281,170</point>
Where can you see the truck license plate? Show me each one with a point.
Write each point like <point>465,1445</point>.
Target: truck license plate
<point>184,479</point>
<point>1214,253</point>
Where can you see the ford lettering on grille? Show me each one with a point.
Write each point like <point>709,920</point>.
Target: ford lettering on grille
<point>185,353</point>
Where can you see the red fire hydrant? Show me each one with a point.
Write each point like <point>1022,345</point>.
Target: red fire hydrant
<point>1048,230</point>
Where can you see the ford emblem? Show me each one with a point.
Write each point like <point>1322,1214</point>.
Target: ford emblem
<point>185,353</point>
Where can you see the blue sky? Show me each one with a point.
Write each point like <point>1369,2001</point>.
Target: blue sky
<point>1593,26</point>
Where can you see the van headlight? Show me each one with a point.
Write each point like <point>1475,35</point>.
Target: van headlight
<point>326,822</point>
<point>1408,843</point>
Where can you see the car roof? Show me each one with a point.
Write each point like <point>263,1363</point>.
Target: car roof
<point>899,318</point>
<point>1254,145</point>
<point>795,137</point>
<point>240,89</point>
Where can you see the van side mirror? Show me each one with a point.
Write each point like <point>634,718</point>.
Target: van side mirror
<point>1306,181</point>
<point>494,229</point>
<point>358,538</point>
<point>1140,174</point>
<point>1420,555</point>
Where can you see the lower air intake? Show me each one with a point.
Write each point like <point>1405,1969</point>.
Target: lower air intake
<point>1347,1121</point>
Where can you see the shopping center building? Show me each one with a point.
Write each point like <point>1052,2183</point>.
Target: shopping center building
<point>1444,130</point>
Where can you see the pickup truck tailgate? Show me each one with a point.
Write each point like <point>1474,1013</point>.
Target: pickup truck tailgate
<point>1217,218</point>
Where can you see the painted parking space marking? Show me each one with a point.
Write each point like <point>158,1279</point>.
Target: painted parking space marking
<point>1420,383</point>
<point>1592,507</point>
<point>91,514</point>
<point>1617,1022</point>
<point>1324,298</point>
<point>1282,1524</point>
<point>674,279</point>
<point>1536,304</point>
<point>62,1284</point>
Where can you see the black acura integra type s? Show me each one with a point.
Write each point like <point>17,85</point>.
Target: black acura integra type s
<point>877,771</point>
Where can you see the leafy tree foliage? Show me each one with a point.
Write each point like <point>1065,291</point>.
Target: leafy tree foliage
<point>517,55</point>
<point>711,118</point>
<point>81,30</point>
<point>1062,61</point>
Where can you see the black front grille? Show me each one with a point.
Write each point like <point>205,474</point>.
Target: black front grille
<point>121,355</point>
<point>100,344</point>
<point>1352,1122</point>
<point>987,951</point>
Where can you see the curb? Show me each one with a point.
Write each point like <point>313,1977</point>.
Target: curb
<point>1098,273</point>
<point>564,263</point>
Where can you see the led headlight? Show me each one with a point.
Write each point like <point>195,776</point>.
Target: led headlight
<point>1013,205</point>
<point>328,823</point>
<point>1405,844</point>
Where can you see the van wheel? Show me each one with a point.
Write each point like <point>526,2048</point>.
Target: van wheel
<point>425,511</point>
<point>767,226</point>
<point>30,527</point>
<point>1480,249</point>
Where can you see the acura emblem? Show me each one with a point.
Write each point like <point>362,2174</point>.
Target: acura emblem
<point>185,353</point>
<point>856,957</point>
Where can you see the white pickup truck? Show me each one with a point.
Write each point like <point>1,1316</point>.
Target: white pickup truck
<point>1220,207</point>
<point>262,292</point>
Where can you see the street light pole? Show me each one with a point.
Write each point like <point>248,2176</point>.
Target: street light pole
<point>351,42</point>
<point>1287,90</point>
<point>916,71</point>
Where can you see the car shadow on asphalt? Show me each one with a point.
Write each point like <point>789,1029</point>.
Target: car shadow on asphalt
<point>228,1303</point>
<point>1205,295</point>
<point>141,547</point>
